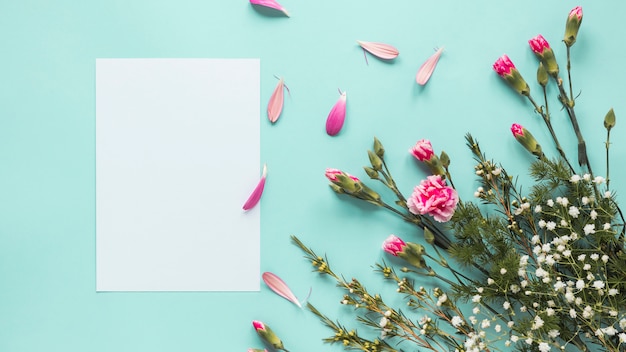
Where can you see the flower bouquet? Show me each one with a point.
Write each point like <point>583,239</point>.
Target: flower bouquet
<point>536,270</point>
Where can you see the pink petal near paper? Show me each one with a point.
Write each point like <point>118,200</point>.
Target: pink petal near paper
<point>380,50</point>
<point>258,191</point>
<point>277,285</point>
<point>271,4</point>
<point>275,105</point>
<point>337,115</point>
<point>427,68</point>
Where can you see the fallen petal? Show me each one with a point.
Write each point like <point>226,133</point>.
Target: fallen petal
<point>277,285</point>
<point>424,73</point>
<point>258,191</point>
<point>271,4</point>
<point>380,50</point>
<point>275,105</point>
<point>337,115</point>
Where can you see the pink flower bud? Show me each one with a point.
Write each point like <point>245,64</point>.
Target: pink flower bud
<point>393,245</point>
<point>517,129</point>
<point>423,150</point>
<point>503,66</point>
<point>539,45</point>
<point>258,325</point>
<point>506,69</point>
<point>527,140</point>
<point>331,174</point>
<point>572,25</point>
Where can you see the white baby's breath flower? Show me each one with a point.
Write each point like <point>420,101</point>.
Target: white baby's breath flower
<point>613,291</point>
<point>550,225</point>
<point>606,226</point>
<point>541,223</point>
<point>514,338</point>
<point>593,214</point>
<point>580,284</point>
<point>529,341</point>
<point>497,171</point>
<point>457,321</point>
<point>554,333</point>
<point>584,200</point>
<point>622,338</point>
<point>622,324</point>
<point>599,180</point>
<point>502,271</point>
<point>485,323</point>
<point>442,299</point>
<point>523,309</point>
<point>572,313</point>
<point>490,281</point>
<point>594,256</point>
<point>587,312</point>
<point>536,239</point>
<point>573,211</point>
<point>587,177</point>
<point>506,305</point>
<point>598,284</point>
<point>589,229</point>
<point>607,194</point>
<point>610,331</point>
<point>581,257</point>
<point>578,301</point>
<point>550,203</point>
<point>563,223</point>
<point>476,310</point>
<point>544,347</point>
<point>566,253</point>
<point>559,286</point>
<point>497,328</point>
<point>574,179</point>
<point>383,322</point>
<point>587,266</point>
<point>538,208</point>
<point>514,288</point>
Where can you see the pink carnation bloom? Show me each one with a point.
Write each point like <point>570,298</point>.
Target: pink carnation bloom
<point>539,44</point>
<point>393,245</point>
<point>503,65</point>
<point>434,198</point>
<point>422,150</point>
<point>331,174</point>
<point>517,129</point>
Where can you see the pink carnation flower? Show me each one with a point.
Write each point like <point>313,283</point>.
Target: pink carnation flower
<point>422,150</point>
<point>393,245</point>
<point>433,197</point>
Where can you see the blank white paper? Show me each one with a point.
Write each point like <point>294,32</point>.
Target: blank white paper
<point>177,155</point>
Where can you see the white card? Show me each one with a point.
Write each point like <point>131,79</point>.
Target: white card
<point>177,155</point>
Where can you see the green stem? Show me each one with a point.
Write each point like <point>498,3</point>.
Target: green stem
<point>546,119</point>
<point>569,74</point>
<point>608,137</point>
<point>568,104</point>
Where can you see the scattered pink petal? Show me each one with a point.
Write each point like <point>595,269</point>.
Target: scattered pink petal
<point>337,115</point>
<point>380,50</point>
<point>271,4</point>
<point>258,191</point>
<point>277,285</point>
<point>424,73</point>
<point>275,105</point>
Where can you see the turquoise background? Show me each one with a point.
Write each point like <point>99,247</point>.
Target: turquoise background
<point>47,127</point>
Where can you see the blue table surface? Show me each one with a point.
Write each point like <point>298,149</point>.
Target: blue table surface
<point>47,147</point>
